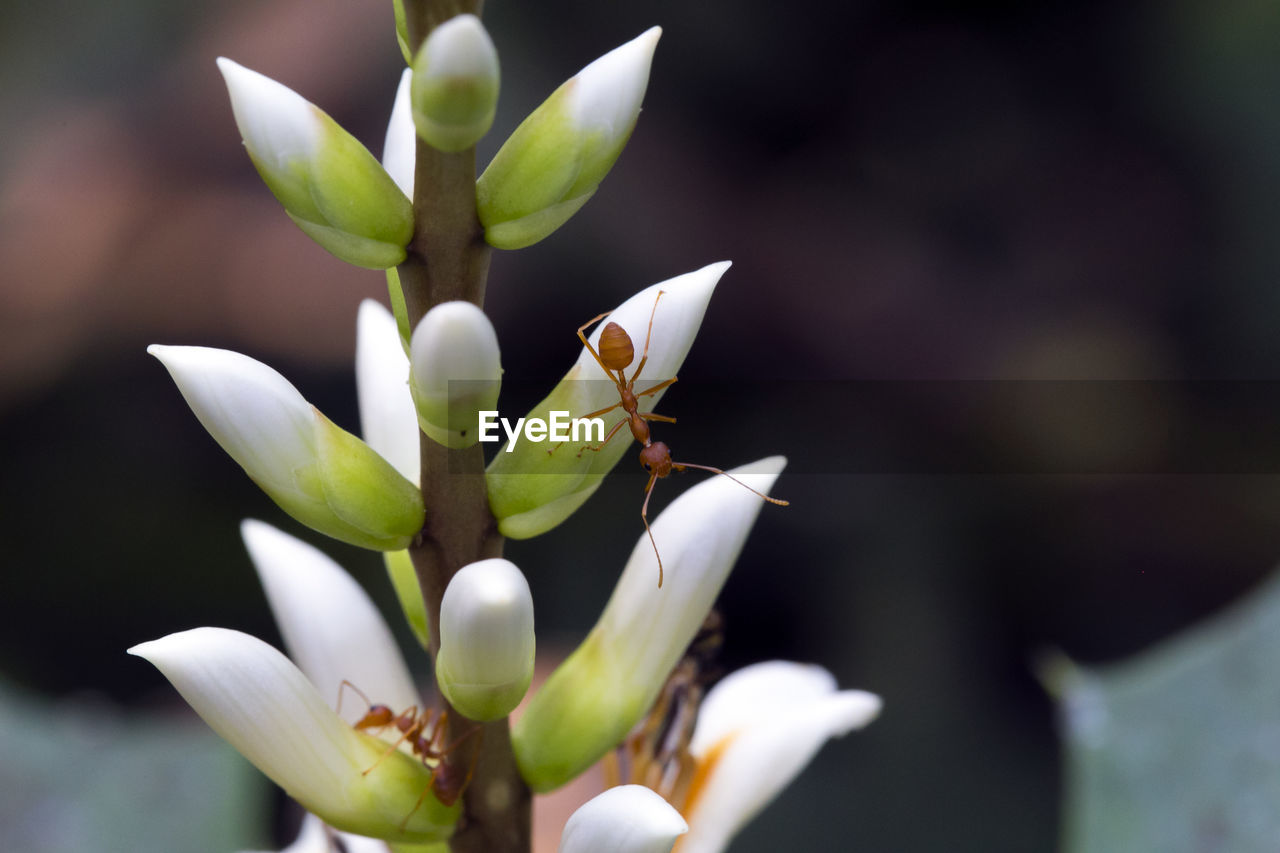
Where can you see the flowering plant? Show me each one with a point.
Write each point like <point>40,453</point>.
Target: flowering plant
<point>341,727</point>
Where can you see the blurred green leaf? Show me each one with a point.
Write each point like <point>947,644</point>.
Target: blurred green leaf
<point>1178,749</point>
<point>78,776</point>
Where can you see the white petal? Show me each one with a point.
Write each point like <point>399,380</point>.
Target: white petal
<point>399,151</point>
<point>646,628</point>
<point>607,93</point>
<point>756,693</point>
<point>387,416</point>
<point>276,123</point>
<point>766,745</point>
<point>252,411</point>
<point>331,628</point>
<point>263,705</point>
<point>456,371</point>
<point>625,819</point>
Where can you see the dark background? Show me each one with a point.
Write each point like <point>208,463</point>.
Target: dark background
<point>912,193</point>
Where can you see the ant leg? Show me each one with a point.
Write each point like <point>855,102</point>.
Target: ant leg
<point>680,466</point>
<point>644,516</point>
<point>644,356</point>
<point>608,438</point>
<point>651,416</point>
<point>656,388</point>
<point>343,684</point>
<point>588,417</point>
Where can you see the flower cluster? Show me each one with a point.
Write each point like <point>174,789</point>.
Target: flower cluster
<point>340,724</point>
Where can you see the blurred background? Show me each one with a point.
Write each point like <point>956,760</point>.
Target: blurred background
<point>944,219</point>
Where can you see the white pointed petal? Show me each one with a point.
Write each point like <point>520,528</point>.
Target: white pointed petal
<point>387,417</point>
<point>260,703</point>
<point>331,628</point>
<point>607,93</point>
<point>252,411</point>
<point>278,125</point>
<point>646,628</point>
<point>755,762</point>
<point>625,819</point>
<point>755,693</point>
<point>399,151</point>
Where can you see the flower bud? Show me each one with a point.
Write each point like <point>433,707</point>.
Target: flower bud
<point>610,681</point>
<point>399,147</point>
<point>485,662</point>
<point>456,372</point>
<point>556,158</point>
<point>531,490</point>
<point>261,704</point>
<point>320,474</point>
<point>625,819</point>
<point>329,184</point>
<point>455,84</point>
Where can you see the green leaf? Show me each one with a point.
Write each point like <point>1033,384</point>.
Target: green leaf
<point>1178,749</point>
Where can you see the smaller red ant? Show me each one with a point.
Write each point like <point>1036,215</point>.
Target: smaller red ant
<point>425,731</point>
<point>615,355</point>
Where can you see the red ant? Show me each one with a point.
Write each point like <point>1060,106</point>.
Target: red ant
<point>425,733</point>
<point>615,355</point>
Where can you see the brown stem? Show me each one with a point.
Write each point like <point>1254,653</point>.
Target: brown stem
<point>448,259</point>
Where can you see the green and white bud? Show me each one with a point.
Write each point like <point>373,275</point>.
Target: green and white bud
<point>530,490</point>
<point>456,372</point>
<point>609,682</point>
<point>553,162</point>
<point>455,84</point>
<point>485,662</point>
<point>329,184</point>
<point>625,819</point>
<point>317,472</point>
<point>399,147</point>
<point>264,706</point>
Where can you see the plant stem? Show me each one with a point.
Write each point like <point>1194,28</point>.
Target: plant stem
<point>448,259</point>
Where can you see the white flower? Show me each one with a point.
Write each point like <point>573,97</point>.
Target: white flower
<point>283,720</point>
<point>609,682</point>
<point>625,819</point>
<point>756,730</point>
<point>399,150</point>
<point>388,420</point>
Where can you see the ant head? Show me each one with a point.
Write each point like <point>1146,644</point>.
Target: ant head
<point>656,459</point>
<point>616,350</point>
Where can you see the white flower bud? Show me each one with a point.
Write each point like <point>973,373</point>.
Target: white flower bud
<point>320,474</point>
<point>455,84</point>
<point>485,662</point>
<point>329,184</point>
<point>625,819</point>
<point>399,149</point>
<point>553,162</point>
<point>456,372</point>
<point>258,701</point>
<point>610,681</point>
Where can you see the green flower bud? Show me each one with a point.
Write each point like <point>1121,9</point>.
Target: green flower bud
<point>485,662</point>
<point>531,490</point>
<point>455,84</point>
<point>456,372</point>
<point>317,472</point>
<point>556,158</point>
<point>329,184</point>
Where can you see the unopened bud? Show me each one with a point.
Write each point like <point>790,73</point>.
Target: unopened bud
<point>456,372</point>
<point>455,84</point>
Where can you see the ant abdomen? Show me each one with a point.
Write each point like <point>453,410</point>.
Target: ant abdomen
<point>616,349</point>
